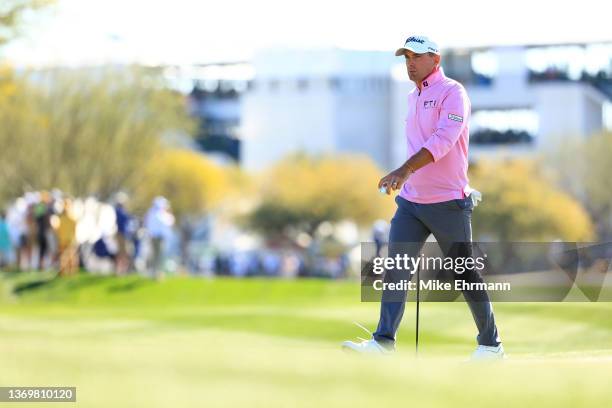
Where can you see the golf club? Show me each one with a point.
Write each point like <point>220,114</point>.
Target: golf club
<point>416,350</point>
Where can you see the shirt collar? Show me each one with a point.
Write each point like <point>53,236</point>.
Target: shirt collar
<point>435,76</point>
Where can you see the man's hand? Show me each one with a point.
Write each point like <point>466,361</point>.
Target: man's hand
<point>395,180</point>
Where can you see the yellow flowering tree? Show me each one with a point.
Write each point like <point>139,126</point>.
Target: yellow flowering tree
<point>192,183</point>
<point>520,204</point>
<point>302,191</point>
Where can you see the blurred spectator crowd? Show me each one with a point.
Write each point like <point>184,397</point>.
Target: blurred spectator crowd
<point>51,231</point>
<point>48,230</point>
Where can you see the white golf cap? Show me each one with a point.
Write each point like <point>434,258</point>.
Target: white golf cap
<point>418,44</point>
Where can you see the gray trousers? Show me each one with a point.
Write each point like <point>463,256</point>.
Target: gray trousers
<point>451,224</point>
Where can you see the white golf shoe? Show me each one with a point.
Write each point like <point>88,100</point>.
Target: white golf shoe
<point>485,353</point>
<point>366,347</point>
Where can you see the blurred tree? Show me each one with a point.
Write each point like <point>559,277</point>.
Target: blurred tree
<point>83,131</point>
<point>301,192</point>
<point>582,167</point>
<point>192,183</point>
<point>12,16</point>
<point>520,204</point>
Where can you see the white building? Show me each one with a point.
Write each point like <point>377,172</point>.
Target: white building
<point>317,101</point>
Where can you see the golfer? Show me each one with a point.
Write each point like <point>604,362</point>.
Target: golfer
<point>435,197</point>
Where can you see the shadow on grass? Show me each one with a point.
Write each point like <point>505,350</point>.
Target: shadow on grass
<point>22,288</point>
<point>129,286</point>
<point>32,283</point>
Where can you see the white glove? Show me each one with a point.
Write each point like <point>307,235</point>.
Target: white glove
<point>476,197</point>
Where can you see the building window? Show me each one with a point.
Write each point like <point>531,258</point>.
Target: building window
<point>510,126</point>
<point>274,85</point>
<point>334,83</point>
<point>302,84</point>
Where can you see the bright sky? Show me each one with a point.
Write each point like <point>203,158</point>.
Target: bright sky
<point>191,31</point>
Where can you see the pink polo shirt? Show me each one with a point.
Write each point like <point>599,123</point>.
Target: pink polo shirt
<point>437,120</point>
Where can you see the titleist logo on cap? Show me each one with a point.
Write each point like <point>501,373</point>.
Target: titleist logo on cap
<point>415,39</point>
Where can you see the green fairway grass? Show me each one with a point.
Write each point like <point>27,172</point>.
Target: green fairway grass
<point>223,342</point>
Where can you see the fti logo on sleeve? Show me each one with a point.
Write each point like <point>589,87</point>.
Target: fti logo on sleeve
<point>454,117</point>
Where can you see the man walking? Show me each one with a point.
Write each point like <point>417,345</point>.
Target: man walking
<point>434,193</point>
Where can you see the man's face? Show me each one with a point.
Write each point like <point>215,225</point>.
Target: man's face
<point>420,65</point>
